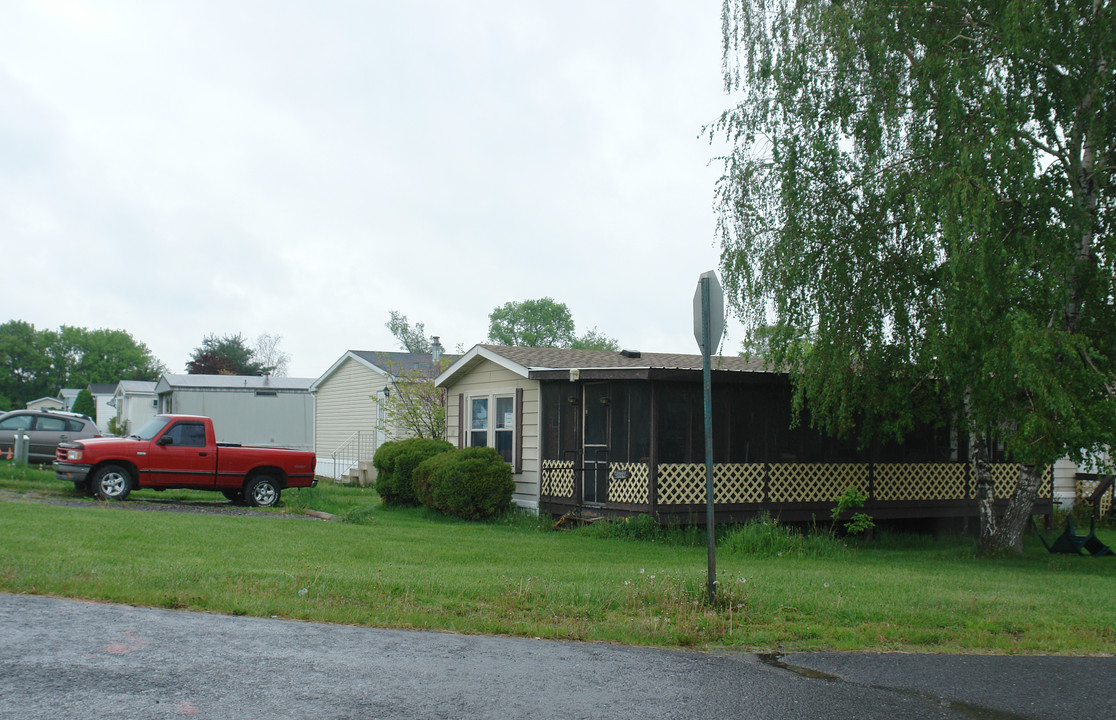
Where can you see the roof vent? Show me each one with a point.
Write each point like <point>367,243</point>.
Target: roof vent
<point>630,353</point>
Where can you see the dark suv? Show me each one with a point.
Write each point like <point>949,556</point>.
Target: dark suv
<point>45,428</point>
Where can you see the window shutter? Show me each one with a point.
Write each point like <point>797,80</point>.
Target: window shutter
<point>460,420</point>
<point>519,430</point>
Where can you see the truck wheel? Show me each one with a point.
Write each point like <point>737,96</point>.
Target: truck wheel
<point>112,482</point>
<point>236,497</point>
<point>262,491</point>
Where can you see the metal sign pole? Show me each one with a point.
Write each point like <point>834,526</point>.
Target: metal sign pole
<point>707,386</point>
<point>709,325</point>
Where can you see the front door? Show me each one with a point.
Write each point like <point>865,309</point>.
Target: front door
<point>595,444</point>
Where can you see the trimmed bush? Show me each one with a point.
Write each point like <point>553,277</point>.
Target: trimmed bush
<point>395,462</point>
<point>422,477</point>
<point>472,483</point>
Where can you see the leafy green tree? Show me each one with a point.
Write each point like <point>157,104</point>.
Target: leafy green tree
<point>412,339</point>
<point>227,355</point>
<point>594,340</point>
<point>80,356</point>
<point>38,363</point>
<point>921,196</point>
<point>25,368</point>
<point>84,405</point>
<point>531,323</point>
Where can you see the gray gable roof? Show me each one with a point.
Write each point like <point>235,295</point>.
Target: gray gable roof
<point>566,359</point>
<point>529,361</point>
<point>397,363</point>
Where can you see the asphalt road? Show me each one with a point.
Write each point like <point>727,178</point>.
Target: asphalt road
<point>69,659</point>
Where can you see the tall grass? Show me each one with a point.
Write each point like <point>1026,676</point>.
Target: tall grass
<point>631,582</point>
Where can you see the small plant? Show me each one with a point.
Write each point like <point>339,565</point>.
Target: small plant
<point>850,500</point>
<point>764,536</point>
<point>120,429</point>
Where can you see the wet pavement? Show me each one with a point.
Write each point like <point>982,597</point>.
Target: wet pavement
<point>71,659</point>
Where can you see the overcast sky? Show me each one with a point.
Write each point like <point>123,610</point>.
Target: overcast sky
<point>175,169</point>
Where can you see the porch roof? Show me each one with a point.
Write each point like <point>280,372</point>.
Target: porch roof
<point>555,363</point>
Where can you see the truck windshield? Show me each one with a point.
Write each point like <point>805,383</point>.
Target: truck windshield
<point>151,428</point>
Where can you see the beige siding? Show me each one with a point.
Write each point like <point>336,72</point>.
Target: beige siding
<point>489,378</point>
<point>345,404</point>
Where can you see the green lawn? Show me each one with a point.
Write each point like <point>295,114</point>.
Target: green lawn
<point>408,568</point>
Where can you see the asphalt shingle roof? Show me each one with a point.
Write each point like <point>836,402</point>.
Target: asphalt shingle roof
<point>566,359</point>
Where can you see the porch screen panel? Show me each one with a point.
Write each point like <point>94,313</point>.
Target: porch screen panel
<point>680,424</point>
<point>618,440</point>
<point>639,422</point>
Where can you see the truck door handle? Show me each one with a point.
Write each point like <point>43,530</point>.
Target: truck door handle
<point>202,454</point>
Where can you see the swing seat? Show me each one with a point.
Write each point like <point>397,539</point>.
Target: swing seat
<point>1070,543</point>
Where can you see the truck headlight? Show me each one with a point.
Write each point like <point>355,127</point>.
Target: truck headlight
<point>73,455</point>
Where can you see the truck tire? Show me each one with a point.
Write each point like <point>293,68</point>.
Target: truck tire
<point>262,491</point>
<point>111,482</point>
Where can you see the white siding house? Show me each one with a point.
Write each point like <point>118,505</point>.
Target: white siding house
<point>46,403</point>
<point>135,402</point>
<point>251,410</point>
<point>350,422</point>
<point>500,408</point>
<point>102,400</point>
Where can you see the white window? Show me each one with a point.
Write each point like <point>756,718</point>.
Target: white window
<point>492,424</point>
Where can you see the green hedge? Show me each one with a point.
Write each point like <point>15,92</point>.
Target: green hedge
<point>395,461</point>
<point>472,483</point>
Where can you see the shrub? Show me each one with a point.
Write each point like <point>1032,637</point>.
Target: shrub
<point>396,461</point>
<point>473,483</point>
<point>422,478</point>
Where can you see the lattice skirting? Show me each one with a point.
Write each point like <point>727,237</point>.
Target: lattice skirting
<point>635,489</point>
<point>684,484</point>
<point>755,483</point>
<point>921,481</point>
<point>557,478</point>
<point>816,482</point>
<point>1085,488</point>
<point>1006,477</point>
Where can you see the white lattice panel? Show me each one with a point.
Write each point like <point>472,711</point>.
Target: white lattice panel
<point>557,478</point>
<point>681,484</point>
<point>920,481</point>
<point>816,482</point>
<point>634,489</point>
<point>733,483</point>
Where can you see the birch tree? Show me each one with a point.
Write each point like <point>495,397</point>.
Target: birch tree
<point>919,198</point>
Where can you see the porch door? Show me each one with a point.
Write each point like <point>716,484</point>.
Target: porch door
<point>595,443</point>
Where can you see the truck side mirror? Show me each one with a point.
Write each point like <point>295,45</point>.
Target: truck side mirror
<point>165,440</point>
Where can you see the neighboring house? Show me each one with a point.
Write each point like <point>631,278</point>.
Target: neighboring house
<point>623,433</point>
<point>46,403</point>
<point>68,395</point>
<point>350,420</point>
<point>251,410</point>
<point>102,400</point>
<point>136,403</point>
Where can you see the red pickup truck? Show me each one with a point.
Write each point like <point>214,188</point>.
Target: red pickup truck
<point>181,451</point>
